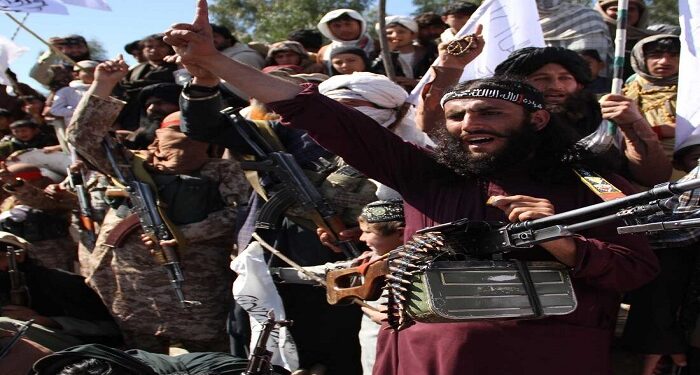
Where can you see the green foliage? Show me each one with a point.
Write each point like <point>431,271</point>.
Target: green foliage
<point>435,6</point>
<point>271,20</point>
<point>663,11</point>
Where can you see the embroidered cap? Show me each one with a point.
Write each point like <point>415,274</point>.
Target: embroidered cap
<point>381,211</point>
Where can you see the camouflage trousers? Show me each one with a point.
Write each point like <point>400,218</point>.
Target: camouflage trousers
<point>137,291</point>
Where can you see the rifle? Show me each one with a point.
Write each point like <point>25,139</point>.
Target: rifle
<point>260,359</point>
<point>298,189</point>
<point>19,293</point>
<point>15,339</point>
<point>143,204</point>
<point>76,181</point>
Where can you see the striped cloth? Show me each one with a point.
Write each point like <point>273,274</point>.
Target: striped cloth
<point>574,26</point>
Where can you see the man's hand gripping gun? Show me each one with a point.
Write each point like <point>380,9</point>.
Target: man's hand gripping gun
<point>486,240</point>
<point>143,204</point>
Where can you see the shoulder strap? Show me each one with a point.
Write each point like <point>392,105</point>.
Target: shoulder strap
<point>599,185</point>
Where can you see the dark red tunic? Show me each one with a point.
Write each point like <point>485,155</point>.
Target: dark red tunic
<point>606,263</point>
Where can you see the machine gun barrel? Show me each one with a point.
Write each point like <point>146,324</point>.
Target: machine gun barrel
<point>659,226</point>
<point>658,192</point>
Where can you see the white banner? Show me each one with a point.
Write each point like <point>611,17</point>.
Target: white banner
<point>688,106</point>
<point>33,6</point>
<point>507,26</point>
<point>9,52</point>
<point>255,292</point>
<point>94,4</point>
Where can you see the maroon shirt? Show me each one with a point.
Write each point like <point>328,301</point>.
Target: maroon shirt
<point>607,264</point>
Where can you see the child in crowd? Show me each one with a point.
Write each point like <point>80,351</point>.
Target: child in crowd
<point>67,98</point>
<point>348,59</point>
<point>382,224</point>
<point>345,27</point>
<point>410,60</point>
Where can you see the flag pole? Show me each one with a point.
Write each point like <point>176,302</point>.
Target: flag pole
<point>51,46</point>
<point>14,35</point>
<point>384,42</point>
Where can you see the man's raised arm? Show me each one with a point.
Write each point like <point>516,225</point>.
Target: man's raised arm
<point>195,46</point>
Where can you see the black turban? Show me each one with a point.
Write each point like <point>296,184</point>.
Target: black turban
<point>168,92</point>
<point>525,61</point>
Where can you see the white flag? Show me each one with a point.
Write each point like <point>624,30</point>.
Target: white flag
<point>33,6</point>
<point>9,52</point>
<point>687,105</point>
<point>255,292</point>
<point>508,25</point>
<point>94,4</point>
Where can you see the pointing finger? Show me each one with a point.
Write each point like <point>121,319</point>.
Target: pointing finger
<point>201,19</point>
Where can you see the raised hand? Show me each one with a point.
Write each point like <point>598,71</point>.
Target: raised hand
<point>620,109</point>
<point>193,42</point>
<point>449,60</point>
<point>111,71</point>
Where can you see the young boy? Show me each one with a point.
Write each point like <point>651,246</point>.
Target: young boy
<point>25,134</point>
<point>410,61</point>
<point>344,27</point>
<point>66,99</point>
<point>382,224</point>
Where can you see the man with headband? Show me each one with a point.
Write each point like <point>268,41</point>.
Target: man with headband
<point>497,143</point>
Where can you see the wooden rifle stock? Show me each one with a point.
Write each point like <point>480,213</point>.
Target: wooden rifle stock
<point>341,284</point>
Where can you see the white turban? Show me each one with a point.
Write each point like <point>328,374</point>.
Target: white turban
<point>404,21</point>
<point>326,31</point>
<point>382,92</point>
<point>374,88</point>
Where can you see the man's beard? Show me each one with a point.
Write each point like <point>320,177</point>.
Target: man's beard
<point>519,147</point>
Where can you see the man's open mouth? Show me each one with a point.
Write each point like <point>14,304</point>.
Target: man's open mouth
<point>478,140</point>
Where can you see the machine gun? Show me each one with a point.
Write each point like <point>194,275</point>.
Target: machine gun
<point>486,242</point>
<point>491,239</point>
<point>260,359</point>
<point>143,204</point>
<point>298,189</point>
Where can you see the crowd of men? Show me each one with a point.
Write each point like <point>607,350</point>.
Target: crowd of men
<point>105,295</point>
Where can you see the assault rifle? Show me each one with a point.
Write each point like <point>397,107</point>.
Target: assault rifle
<point>143,204</point>
<point>491,239</point>
<point>297,188</point>
<point>19,293</point>
<point>260,359</point>
<point>76,181</point>
<point>21,330</point>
